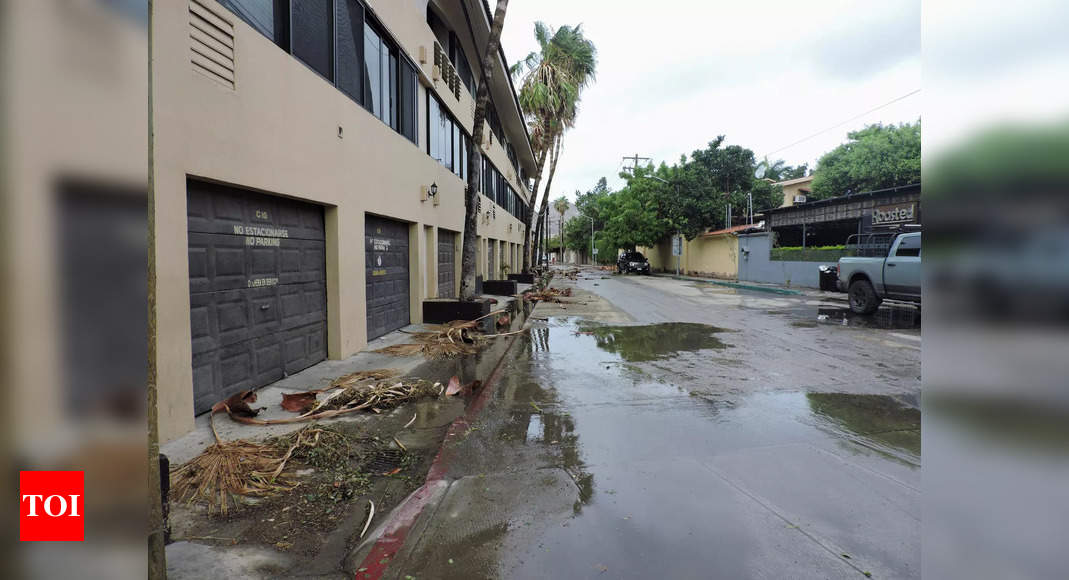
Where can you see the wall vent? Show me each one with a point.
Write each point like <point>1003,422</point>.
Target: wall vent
<point>211,47</point>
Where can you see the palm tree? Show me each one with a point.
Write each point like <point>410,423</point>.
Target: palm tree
<point>553,79</point>
<point>561,205</point>
<point>475,158</point>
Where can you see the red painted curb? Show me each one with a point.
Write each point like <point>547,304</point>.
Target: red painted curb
<point>404,517</point>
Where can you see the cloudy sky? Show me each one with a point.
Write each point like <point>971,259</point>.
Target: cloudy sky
<point>765,73</point>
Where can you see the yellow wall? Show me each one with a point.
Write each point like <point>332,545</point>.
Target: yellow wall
<point>789,191</point>
<point>276,131</point>
<point>710,257</point>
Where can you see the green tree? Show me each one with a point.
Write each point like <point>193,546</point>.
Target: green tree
<point>577,229</point>
<point>553,80</point>
<point>876,157</point>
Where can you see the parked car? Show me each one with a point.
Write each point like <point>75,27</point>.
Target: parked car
<point>887,267</point>
<point>632,262</point>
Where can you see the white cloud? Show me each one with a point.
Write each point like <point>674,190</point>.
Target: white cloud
<point>673,76</point>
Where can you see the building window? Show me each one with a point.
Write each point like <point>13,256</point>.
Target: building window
<point>460,62</point>
<point>349,45</point>
<point>313,35</point>
<point>373,81</point>
<point>446,140</point>
<point>409,101</point>
<point>269,17</point>
<point>334,38</point>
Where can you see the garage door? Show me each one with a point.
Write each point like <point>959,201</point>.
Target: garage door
<point>257,284</point>
<point>386,249</point>
<point>447,274</point>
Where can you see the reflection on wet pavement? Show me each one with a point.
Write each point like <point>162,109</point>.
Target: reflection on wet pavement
<point>888,316</point>
<point>875,417</point>
<point>580,468</point>
<point>654,341</point>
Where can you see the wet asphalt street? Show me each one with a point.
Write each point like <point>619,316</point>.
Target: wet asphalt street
<point>662,428</point>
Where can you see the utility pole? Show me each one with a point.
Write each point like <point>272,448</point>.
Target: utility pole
<point>634,161</point>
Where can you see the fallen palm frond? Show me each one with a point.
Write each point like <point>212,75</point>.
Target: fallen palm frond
<point>431,350</point>
<point>375,397</point>
<point>450,340</point>
<point>548,295</point>
<point>364,376</point>
<point>306,403</point>
<point>226,470</point>
<point>370,515</point>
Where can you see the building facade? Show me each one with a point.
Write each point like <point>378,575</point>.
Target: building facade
<point>310,162</point>
<point>795,191</point>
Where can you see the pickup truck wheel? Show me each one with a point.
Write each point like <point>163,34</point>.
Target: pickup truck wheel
<point>863,299</point>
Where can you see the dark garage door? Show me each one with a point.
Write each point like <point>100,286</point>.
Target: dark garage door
<point>257,285</point>
<point>447,274</point>
<point>386,249</point>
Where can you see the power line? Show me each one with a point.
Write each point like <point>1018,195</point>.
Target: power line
<point>836,126</point>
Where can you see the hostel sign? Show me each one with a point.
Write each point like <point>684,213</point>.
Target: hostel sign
<point>901,213</point>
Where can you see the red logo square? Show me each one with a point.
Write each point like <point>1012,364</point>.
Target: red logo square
<point>51,506</point>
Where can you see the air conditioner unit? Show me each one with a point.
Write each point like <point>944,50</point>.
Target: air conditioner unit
<point>799,199</point>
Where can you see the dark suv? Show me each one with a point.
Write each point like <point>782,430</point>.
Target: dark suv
<point>632,262</point>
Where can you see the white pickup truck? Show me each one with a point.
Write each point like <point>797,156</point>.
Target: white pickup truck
<point>884,267</point>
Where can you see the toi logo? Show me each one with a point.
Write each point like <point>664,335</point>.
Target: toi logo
<point>51,506</point>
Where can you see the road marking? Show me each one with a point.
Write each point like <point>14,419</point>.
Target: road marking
<point>906,336</point>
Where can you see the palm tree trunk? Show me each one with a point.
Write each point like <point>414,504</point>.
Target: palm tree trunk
<point>530,214</point>
<point>543,210</point>
<point>475,157</point>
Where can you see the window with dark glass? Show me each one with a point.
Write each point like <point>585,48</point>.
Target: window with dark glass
<point>269,17</point>
<point>312,34</point>
<point>372,71</point>
<point>349,47</point>
<point>460,62</point>
<point>409,101</point>
<point>339,40</point>
<point>446,140</point>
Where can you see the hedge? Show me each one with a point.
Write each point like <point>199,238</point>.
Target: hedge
<point>813,254</point>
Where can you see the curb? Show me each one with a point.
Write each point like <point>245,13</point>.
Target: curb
<point>403,518</point>
<point>735,285</point>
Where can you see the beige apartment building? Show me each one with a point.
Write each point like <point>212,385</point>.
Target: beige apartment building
<point>309,178</point>
<point>795,190</point>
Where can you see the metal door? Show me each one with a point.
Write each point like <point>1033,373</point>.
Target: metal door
<point>386,251</point>
<point>257,283</point>
<point>447,244</point>
<point>902,269</point>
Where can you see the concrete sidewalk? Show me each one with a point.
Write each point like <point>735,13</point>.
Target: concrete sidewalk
<point>302,532</point>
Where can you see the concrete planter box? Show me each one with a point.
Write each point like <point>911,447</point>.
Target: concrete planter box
<point>499,287</point>
<point>522,278</point>
<point>442,310</point>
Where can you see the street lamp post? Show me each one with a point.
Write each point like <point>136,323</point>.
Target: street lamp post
<point>592,261</point>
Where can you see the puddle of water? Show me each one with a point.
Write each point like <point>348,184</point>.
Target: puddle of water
<point>655,341</point>
<point>892,317</point>
<point>879,418</point>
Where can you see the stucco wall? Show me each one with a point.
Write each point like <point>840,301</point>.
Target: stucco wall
<point>755,265</point>
<point>277,132</point>
<point>714,257</point>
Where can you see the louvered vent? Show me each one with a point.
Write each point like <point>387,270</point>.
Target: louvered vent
<point>211,47</point>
